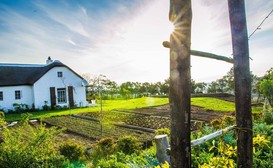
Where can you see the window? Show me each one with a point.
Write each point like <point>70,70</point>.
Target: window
<point>1,95</point>
<point>17,94</point>
<point>61,93</point>
<point>60,74</point>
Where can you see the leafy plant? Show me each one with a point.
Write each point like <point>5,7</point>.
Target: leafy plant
<point>2,119</point>
<point>162,131</point>
<point>128,145</point>
<point>260,143</point>
<point>25,146</point>
<point>266,88</point>
<point>72,151</point>
<point>219,162</point>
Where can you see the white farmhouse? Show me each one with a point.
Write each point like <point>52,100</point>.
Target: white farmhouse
<point>35,85</point>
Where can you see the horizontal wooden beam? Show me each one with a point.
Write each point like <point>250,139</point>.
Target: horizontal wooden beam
<point>204,54</point>
<point>211,136</point>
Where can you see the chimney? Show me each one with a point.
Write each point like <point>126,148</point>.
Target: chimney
<point>49,60</point>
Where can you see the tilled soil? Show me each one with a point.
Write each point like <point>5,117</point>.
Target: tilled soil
<point>197,113</point>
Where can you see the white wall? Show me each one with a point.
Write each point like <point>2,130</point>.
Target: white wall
<point>9,96</point>
<point>50,79</point>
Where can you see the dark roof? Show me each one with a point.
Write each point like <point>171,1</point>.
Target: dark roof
<point>14,75</point>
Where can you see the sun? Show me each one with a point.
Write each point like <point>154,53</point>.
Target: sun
<point>171,27</point>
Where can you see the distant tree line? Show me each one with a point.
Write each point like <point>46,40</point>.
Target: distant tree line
<point>111,90</point>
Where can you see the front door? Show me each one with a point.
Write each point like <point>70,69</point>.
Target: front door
<point>52,97</point>
<point>70,96</point>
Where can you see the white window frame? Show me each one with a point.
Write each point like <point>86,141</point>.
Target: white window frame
<point>61,95</point>
<point>18,94</point>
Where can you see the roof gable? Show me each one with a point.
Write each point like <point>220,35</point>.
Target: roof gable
<point>15,75</point>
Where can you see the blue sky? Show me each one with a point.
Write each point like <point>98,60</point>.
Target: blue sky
<point>122,39</point>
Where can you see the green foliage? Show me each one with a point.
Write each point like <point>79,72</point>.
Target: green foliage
<point>20,108</point>
<point>268,117</point>
<point>72,151</point>
<point>162,131</point>
<point>219,162</point>
<point>111,164</point>
<point>128,145</point>
<point>25,118</point>
<point>228,120</point>
<point>216,124</point>
<point>25,146</point>
<point>2,119</point>
<point>266,88</point>
<point>260,143</point>
<point>102,150</point>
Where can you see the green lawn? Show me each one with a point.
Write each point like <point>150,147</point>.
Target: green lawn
<point>214,104</point>
<point>108,105</point>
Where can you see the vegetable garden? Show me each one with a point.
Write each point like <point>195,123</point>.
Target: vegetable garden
<point>218,152</point>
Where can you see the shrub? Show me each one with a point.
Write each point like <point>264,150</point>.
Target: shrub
<point>228,120</point>
<point>25,146</point>
<point>2,119</point>
<point>111,164</point>
<point>162,131</point>
<point>268,118</point>
<point>72,151</point>
<point>128,145</point>
<point>219,162</point>
<point>104,148</point>
<point>216,124</point>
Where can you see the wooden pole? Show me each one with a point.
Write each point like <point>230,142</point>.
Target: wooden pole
<point>162,145</point>
<point>242,82</point>
<point>180,83</point>
<point>204,54</point>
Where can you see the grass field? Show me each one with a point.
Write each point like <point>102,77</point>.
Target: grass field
<point>107,105</point>
<point>207,103</point>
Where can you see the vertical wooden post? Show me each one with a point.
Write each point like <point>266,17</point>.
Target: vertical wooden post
<point>162,144</point>
<point>180,83</point>
<point>242,82</point>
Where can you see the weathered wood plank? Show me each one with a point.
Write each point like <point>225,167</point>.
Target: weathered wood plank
<point>242,83</point>
<point>180,83</point>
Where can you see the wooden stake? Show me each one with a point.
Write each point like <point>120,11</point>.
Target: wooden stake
<point>242,82</point>
<point>180,83</point>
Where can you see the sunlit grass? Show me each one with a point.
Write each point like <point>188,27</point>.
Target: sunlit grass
<point>107,105</point>
<point>214,104</point>
<point>207,103</point>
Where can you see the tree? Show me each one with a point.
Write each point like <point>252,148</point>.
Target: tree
<point>200,87</point>
<point>266,88</point>
<point>266,85</point>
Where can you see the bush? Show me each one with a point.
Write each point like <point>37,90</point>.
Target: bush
<point>216,124</point>
<point>228,120</point>
<point>162,131</point>
<point>268,118</point>
<point>111,164</point>
<point>104,148</point>
<point>25,146</point>
<point>72,151</point>
<point>128,145</point>
<point>2,119</point>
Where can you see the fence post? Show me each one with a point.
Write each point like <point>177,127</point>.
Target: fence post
<point>180,83</point>
<point>162,144</point>
<point>242,82</point>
